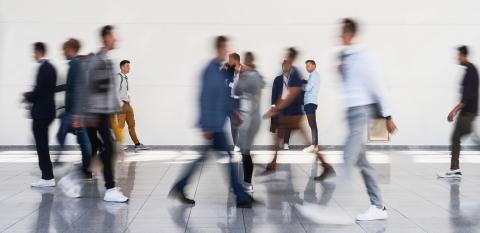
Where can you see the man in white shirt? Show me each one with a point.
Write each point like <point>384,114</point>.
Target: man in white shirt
<point>364,99</point>
<point>126,114</point>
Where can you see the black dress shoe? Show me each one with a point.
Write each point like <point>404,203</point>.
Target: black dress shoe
<point>180,195</point>
<point>327,173</point>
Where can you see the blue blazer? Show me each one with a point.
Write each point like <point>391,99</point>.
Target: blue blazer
<point>214,98</point>
<point>43,95</point>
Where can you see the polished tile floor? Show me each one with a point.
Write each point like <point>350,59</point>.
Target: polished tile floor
<point>416,200</point>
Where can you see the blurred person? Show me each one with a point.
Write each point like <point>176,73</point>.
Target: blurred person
<point>42,98</point>
<point>249,88</point>
<point>232,68</point>
<point>214,109</point>
<point>290,119</point>
<point>364,98</point>
<point>310,102</point>
<point>126,114</point>
<point>468,109</point>
<point>70,120</point>
<point>103,101</point>
<point>279,90</point>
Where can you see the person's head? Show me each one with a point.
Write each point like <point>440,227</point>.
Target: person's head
<point>249,60</point>
<point>71,48</point>
<point>221,46</point>
<point>310,65</point>
<point>233,59</point>
<point>108,38</point>
<point>285,66</point>
<point>39,50</point>
<point>462,54</point>
<point>349,31</point>
<point>125,66</point>
<point>291,55</point>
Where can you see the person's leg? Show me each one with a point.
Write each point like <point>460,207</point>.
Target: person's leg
<point>220,143</point>
<point>370,180</point>
<point>286,137</point>
<point>93,138</point>
<point>355,152</point>
<point>277,138</point>
<point>234,131</point>
<point>130,117</point>
<point>462,128</point>
<point>40,133</point>
<point>62,132</point>
<point>355,142</point>
<point>312,122</point>
<point>85,147</point>
<point>107,155</point>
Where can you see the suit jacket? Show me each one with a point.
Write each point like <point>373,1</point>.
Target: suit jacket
<point>214,95</point>
<point>43,95</point>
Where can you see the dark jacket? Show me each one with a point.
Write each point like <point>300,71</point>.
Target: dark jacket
<point>294,80</point>
<point>470,89</point>
<point>43,95</point>
<point>214,98</point>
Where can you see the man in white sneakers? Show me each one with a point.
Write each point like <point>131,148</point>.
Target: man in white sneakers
<point>364,98</point>
<point>468,109</point>
<point>102,101</point>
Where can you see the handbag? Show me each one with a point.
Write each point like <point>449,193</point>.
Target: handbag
<point>377,127</point>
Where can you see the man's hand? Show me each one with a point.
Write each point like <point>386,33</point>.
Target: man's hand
<point>451,115</point>
<point>391,127</point>
<point>207,135</point>
<point>76,123</point>
<point>270,113</point>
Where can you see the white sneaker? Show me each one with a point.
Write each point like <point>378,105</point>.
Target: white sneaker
<point>450,174</point>
<point>114,195</point>
<point>248,187</point>
<point>310,149</point>
<point>236,148</point>
<point>43,183</point>
<point>373,213</point>
<point>70,187</point>
<point>286,146</point>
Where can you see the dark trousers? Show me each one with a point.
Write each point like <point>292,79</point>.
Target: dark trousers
<point>102,129</point>
<point>310,111</point>
<point>247,167</point>
<point>219,142</point>
<point>40,133</point>
<point>463,127</point>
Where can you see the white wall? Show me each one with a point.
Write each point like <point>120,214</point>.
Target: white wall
<point>168,42</point>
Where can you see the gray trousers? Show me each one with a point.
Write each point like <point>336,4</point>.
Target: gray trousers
<point>355,151</point>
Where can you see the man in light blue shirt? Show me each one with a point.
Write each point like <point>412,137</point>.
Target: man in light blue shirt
<point>364,100</point>
<point>310,102</point>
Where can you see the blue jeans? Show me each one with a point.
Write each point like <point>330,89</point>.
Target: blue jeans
<point>219,143</point>
<point>82,138</point>
<point>355,150</point>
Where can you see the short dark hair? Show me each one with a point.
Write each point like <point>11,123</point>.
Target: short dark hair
<point>122,63</point>
<point>349,25</point>
<point>463,50</point>
<point>292,53</point>
<point>106,30</point>
<point>40,47</point>
<point>72,44</point>
<point>220,42</point>
<point>311,62</point>
<point>249,60</point>
<point>235,56</point>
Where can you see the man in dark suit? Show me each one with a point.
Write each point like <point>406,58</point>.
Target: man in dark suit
<point>43,112</point>
<point>277,92</point>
